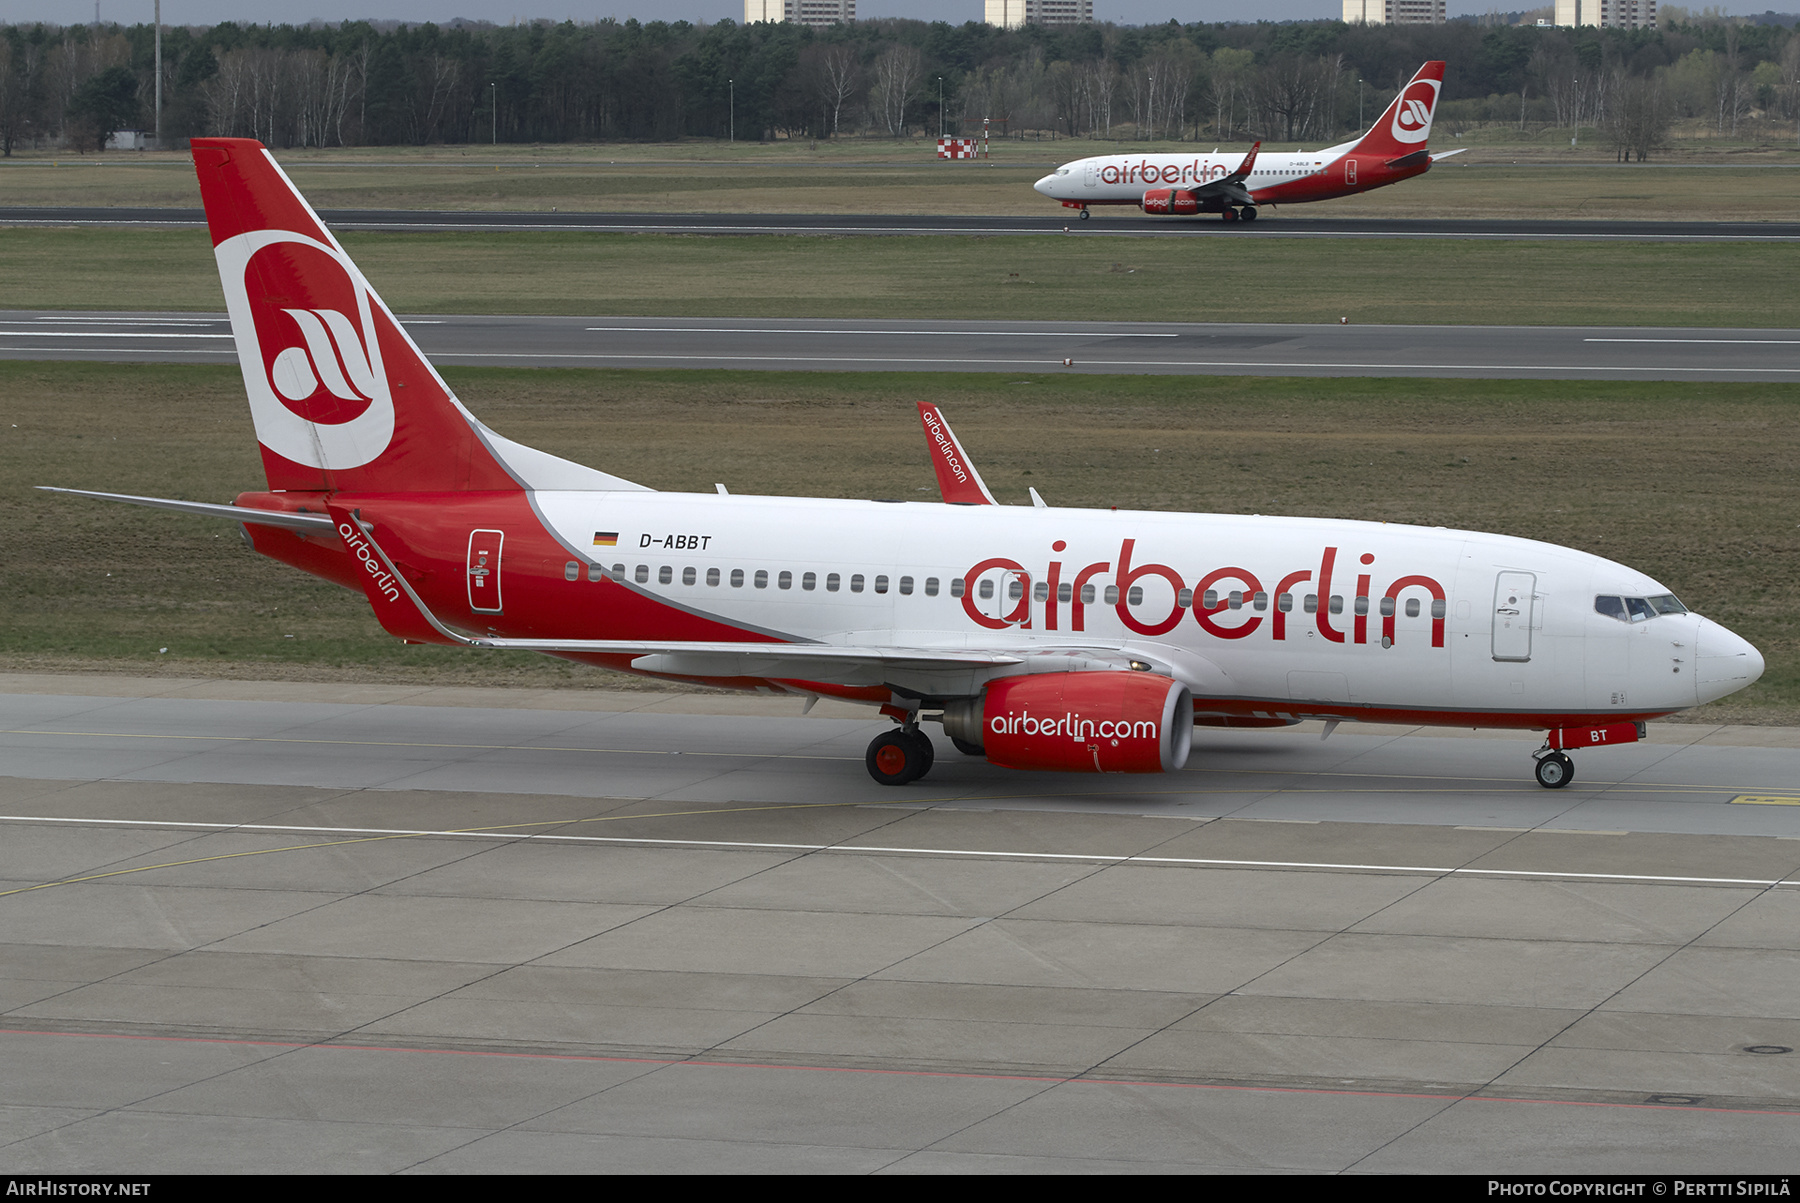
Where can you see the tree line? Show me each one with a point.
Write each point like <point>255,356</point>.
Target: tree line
<point>361,83</point>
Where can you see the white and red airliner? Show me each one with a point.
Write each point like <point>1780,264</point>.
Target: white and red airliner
<point>1040,637</point>
<point>1233,186</point>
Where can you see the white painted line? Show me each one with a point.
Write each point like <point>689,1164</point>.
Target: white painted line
<point>897,333</point>
<point>121,321</point>
<point>1754,342</point>
<point>1087,857</point>
<point>99,334</point>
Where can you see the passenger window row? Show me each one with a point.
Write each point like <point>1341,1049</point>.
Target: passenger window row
<point>1633,609</point>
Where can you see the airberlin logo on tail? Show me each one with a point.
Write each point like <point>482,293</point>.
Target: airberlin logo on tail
<point>1412,112</point>
<point>318,391</point>
<point>333,356</point>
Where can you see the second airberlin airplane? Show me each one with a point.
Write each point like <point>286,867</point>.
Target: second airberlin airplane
<point>1234,186</point>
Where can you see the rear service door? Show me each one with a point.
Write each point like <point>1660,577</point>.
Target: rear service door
<point>484,570</point>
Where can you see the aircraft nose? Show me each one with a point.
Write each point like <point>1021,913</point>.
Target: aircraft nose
<point>1726,662</point>
<point>1047,184</point>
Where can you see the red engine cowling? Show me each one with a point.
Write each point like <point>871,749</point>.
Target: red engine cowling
<point>1088,722</point>
<point>1169,200</point>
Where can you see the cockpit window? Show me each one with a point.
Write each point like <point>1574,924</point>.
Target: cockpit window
<point>1638,609</point>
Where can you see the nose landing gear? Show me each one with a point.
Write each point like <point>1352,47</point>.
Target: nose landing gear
<point>1554,769</point>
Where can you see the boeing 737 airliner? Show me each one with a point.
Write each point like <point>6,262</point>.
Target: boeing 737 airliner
<point>1040,637</point>
<point>1233,187</point>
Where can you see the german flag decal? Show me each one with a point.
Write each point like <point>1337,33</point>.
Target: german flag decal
<point>606,538</point>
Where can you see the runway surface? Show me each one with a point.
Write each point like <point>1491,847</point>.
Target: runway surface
<point>1117,221</point>
<point>250,926</point>
<point>1163,348</point>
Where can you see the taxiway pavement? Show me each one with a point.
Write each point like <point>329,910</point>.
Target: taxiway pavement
<point>249,926</point>
<point>803,344</point>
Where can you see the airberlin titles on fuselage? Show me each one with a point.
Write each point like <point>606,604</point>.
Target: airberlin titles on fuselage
<point>1147,172</point>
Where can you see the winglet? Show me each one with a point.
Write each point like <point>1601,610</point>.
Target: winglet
<point>1244,168</point>
<point>957,478</point>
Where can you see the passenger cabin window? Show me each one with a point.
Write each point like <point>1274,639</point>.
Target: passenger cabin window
<point>762,578</point>
<point>643,574</point>
<point>785,581</point>
<point>571,571</point>
<point>985,589</point>
<point>856,582</point>
<point>809,581</point>
<point>881,584</point>
<point>689,576</point>
<point>906,585</point>
<point>712,576</point>
<point>956,586</point>
<point>595,572</point>
<point>665,574</point>
<point>931,586</point>
<point>831,582</point>
<point>737,578</point>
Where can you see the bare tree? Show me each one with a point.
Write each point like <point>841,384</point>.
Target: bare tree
<point>897,74</point>
<point>839,77</point>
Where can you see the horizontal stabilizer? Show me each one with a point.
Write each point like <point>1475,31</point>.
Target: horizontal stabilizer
<point>236,513</point>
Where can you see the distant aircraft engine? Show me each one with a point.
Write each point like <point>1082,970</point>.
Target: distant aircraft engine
<point>1080,722</point>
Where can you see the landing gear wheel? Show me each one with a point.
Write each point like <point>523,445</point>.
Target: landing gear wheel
<point>1555,770</point>
<point>1229,215</point>
<point>1085,215</point>
<point>1248,213</point>
<point>899,757</point>
<point>967,748</point>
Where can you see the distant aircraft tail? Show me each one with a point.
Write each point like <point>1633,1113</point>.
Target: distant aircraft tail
<point>1403,129</point>
<point>341,397</point>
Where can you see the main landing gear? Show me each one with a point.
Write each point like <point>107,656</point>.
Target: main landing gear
<point>900,756</point>
<point>1247,213</point>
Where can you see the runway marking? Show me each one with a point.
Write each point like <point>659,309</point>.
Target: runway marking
<point>1755,342</point>
<point>1086,1079</point>
<point>899,333</point>
<point>120,321</point>
<point>1767,800</point>
<point>1284,365</point>
<point>518,832</point>
<point>102,334</point>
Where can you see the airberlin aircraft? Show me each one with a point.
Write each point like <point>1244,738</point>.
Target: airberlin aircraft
<point>1039,637</point>
<point>1392,150</point>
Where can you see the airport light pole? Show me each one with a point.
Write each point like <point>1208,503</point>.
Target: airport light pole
<point>940,108</point>
<point>732,128</point>
<point>494,110</point>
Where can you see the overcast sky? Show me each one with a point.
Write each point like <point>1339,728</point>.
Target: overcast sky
<point>262,12</point>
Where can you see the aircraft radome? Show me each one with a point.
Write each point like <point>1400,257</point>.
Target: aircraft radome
<point>1040,637</point>
<point>1183,184</point>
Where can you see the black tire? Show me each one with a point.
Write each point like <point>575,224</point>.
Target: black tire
<point>895,758</point>
<point>1085,215</point>
<point>967,748</point>
<point>927,753</point>
<point>1555,770</point>
<point>1248,213</point>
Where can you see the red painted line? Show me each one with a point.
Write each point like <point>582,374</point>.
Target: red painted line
<point>909,1073</point>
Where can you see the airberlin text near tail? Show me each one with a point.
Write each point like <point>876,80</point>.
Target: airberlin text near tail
<point>1040,637</point>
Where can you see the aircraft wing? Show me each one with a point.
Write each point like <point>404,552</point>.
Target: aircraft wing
<point>1231,186</point>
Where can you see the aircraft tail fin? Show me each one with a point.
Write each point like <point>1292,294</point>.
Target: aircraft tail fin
<point>1406,124</point>
<point>957,478</point>
<point>341,397</point>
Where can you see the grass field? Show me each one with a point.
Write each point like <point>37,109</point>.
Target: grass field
<point>1696,485</point>
<point>1497,177</point>
<point>1209,277</point>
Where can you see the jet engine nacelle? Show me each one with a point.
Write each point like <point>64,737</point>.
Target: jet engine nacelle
<point>1082,722</point>
<point>1170,200</point>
